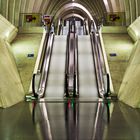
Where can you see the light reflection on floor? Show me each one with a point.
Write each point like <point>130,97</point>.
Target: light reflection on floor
<point>64,121</point>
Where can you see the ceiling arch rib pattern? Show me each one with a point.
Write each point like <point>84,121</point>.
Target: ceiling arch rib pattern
<point>11,9</point>
<point>44,6</point>
<point>27,5</point>
<point>30,6</point>
<point>114,5</point>
<point>69,12</point>
<point>16,13</point>
<point>138,7</point>
<point>95,7</point>
<point>37,5</point>
<point>79,13</point>
<point>56,6</point>
<point>73,15</point>
<point>71,7</point>
<point>132,7</point>
<point>108,5</point>
<point>22,7</point>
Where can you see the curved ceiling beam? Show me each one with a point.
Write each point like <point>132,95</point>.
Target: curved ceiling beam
<point>73,15</point>
<point>73,11</point>
<point>73,6</point>
<point>97,8</point>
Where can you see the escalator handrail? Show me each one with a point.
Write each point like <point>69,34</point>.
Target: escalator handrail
<point>98,65</point>
<point>39,70</point>
<point>72,30</point>
<point>47,34</point>
<point>45,69</point>
<point>33,85</point>
<point>99,69</point>
<point>102,66</point>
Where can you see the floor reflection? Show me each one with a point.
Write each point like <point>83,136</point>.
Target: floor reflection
<point>124,123</point>
<point>65,120</point>
<point>71,120</point>
<point>132,118</point>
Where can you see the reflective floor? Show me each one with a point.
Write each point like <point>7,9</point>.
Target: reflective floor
<point>70,120</point>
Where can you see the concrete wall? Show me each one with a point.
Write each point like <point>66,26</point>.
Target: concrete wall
<point>129,91</point>
<point>7,31</point>
<point>134,30</point>
<point>11,89</point>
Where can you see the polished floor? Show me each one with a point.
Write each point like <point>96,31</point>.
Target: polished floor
<point>67,121</point>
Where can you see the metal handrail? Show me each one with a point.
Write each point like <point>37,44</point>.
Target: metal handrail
<point>43,53</point>
<point>70,72</point>
<point>99,67</point>
<point>103,66</point>
<point>71,76</point>
<point>66,66</point>
<point>60,28</point>
<point>45,69</point>
<point>76,67</point>
<point>47,34</point>
<point>85,31</point>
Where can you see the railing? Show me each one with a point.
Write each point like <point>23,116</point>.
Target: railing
<point>39,70</point>
<point>71,72</point>
<point>85,30</point>
<point>45,69</point>
<point>59,27</point>
<point>101,75</point>
<point>76,67</point>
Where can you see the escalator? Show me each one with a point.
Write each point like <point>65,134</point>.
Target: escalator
<point>56,76</point>
<point>87,77</point>
<point>71,69</point>
<point>54,80</point>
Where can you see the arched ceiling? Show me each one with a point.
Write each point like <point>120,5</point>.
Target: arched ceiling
<point>95,7</point>
<point>11,9</point>
<point>73,8</point>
